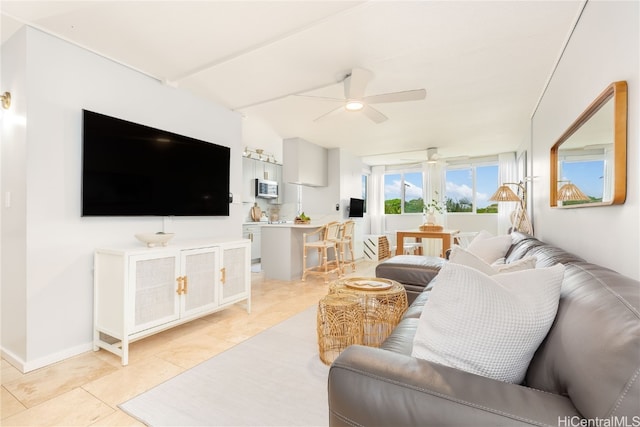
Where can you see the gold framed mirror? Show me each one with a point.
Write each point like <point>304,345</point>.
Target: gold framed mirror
<point>589,161</point>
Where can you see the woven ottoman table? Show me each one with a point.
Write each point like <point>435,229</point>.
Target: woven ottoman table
<point>339,323</point>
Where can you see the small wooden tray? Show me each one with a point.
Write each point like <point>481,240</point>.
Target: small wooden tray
<point>431,227</point>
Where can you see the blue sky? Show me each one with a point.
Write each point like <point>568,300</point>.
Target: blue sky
<point>392,185</point>
<point>588,176</point>
<point>460,184</point>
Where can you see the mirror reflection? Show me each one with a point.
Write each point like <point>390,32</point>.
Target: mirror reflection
<point>588,163</point>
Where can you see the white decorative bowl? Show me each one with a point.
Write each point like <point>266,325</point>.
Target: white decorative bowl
<point>155,239</point>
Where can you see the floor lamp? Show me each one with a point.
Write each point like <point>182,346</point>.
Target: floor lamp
<point>519,218</point>
<point>569,192</point>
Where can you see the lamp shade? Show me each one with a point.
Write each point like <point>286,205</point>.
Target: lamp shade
<point>569,192</point>
<point>504,194</point>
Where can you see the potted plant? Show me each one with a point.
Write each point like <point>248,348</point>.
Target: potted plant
<point>431,208</point>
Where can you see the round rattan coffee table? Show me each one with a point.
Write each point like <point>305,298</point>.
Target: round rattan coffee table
<point>383,302</point>
<point>340,320</point>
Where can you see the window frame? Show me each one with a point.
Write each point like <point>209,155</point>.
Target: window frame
<point>473,165</point>
<point>402,172</point>
<point>364,180</point>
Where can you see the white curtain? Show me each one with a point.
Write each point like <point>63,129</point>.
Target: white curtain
<point>376,200</point>
<point>434,176</point>
<point>507,172</point>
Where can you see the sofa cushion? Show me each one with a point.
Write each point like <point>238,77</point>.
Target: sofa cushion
<point>416,307</point>
<point>489,247</point>
<point>401,339</point>
<point>592,353</point>
<point>488,325</point>
<point>459,255</point>
<point>547,255</point>
<point>410,269</point>
<point>415,272</point>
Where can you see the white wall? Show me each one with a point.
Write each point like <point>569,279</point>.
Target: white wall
<point>351,171</point>
<point>604,48</point>
<point>256,134</point>
<point>47,291</point>
<point>13,154</point>
<point>473,222</point>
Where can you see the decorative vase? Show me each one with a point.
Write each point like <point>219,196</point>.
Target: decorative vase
<point>431,217</point>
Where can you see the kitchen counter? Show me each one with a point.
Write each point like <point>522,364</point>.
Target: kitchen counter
<point>281,249</point>
<point>293,225</point>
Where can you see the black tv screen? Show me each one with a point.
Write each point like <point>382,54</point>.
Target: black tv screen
<point>130,169</point>
<point>356,208</point>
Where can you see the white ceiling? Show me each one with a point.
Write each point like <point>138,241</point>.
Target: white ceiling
<point>484,64</point>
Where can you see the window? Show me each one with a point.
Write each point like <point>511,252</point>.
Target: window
<point>469,187</point>
<point>403,193</point>
<point>364,191</point>
<point>587,175</point>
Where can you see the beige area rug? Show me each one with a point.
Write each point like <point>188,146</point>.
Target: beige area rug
<point>275,378</point>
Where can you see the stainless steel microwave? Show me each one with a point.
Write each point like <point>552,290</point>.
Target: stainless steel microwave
<point>266,189</point>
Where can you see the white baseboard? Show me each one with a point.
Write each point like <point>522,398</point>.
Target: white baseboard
<point>28,366</point>
<point>13,360</point>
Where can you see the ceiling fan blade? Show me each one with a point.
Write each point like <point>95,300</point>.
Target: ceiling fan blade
<point>330,113</point>
<point>374,114</point>
<point>323,98</point>
<point>356,83</point>
<point>407,95</point>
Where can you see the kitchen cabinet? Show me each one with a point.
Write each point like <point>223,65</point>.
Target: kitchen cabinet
<point>248,180</point>
<point>253,233</point>
<point>142,291</point>
<point>253,169</point>
<point>305,163</point>
<point>282,246</point>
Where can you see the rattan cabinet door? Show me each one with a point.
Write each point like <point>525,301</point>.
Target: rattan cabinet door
<point>236,272</point>
<point>155,300</point>
<point>200,270</point>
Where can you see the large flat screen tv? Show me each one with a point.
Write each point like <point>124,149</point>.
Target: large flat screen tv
<point>130,169</point>
<point>356,208</point>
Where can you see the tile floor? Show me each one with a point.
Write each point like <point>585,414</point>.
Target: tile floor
<point>86,389</point>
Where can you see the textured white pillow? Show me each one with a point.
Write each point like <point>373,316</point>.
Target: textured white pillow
<point>489,247</point>
<point>525,263</point>
<point>459,255</point>
<point>488,325</point>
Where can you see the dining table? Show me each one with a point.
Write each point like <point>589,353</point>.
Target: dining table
<point>446,236</point>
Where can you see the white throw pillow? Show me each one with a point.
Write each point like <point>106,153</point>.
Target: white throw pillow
<point>488,247</point>
<point>459,255</point>
<point>525,263</point>
<point>488,325</point>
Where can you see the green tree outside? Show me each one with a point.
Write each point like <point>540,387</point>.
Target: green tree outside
<point>392,207</point>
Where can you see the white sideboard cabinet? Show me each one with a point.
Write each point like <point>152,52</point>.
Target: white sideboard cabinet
<point>141,291</point>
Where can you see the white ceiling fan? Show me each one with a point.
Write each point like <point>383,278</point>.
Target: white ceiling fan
<point>432,156</point>
<point>355,100</point>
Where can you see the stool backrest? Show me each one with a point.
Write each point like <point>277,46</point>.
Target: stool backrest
<point>332,231</point>
<point>347,229</point>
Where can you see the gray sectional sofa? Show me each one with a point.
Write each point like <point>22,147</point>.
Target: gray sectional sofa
<point>586,371</point>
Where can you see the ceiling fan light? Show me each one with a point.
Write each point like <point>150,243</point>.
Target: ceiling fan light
<point>354,105</point>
